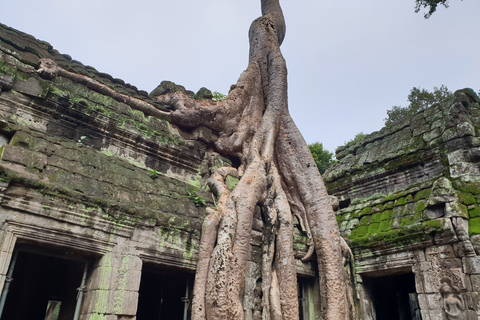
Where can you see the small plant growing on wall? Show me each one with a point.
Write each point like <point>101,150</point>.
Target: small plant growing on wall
<point>197,200</point>
<point>80,141</point>
<point>153,174</point>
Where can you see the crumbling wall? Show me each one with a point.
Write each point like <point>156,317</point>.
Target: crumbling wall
<point>409,202</point>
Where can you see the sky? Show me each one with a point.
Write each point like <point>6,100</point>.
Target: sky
<point>348,61</point>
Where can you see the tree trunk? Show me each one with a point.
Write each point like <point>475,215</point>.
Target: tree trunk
<point>277,173</point>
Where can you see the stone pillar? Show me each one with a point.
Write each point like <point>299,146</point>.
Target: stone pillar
<point>112,288</point>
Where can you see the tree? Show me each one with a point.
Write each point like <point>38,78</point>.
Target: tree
<point>419,99</point>
<point>277,173</point>
<point>430,4</point>
<point>322,157</point>
<point>277,176</point>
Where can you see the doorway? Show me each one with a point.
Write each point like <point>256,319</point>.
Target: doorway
<point>43,285</point>
<point>394,297</point>
<point>164,295</point>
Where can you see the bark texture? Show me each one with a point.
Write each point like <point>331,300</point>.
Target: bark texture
<point>278,174</point>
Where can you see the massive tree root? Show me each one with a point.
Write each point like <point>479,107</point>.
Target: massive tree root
<point>278,174</point>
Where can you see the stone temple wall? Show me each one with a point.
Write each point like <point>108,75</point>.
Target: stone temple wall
<point>96,193</point>
<point>409,209</point>
<point>98,218</point>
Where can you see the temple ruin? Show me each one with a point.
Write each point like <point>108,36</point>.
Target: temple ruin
<point>101,205</point>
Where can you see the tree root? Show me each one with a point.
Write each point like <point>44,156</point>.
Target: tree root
<point>276,172</point>
<point>49,69</point>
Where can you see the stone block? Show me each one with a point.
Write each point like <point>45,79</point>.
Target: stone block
<point>24,156</point>
<point>434,301</point>
<point>437,314</point>
<point>452,263</point>
<point>422,301</point>
<point>471,265</point>
<point>443,251</point>
<point>425,314</point>
<point>421,267</point>
<point>420,255</point>
<point>471,315</point>
<point>464,249</point>
<point>32,87</point>
<point>473,300</point>
<point>100,279</point>
<point>420,283</point>
<point>130,281</point>
<point>475,280</point>
<point>123,302</point>
<point>95,301</point>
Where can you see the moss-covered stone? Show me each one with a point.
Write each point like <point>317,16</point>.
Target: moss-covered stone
<point>385,225</point>
<point>422,194</point>
<point>364,221</point>
<point>474,213</point>
<point>474,226</point>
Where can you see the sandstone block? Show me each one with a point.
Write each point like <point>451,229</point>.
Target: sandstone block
<point>471,265</point>
<point>25,157</point>
<point>434,301</point>
<point>473,300</point>
<point>443,252</point>
<point>32,87</point>
<point>123,302</point>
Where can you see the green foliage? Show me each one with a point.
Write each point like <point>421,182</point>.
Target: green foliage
<point>197,200</point>
<point>153,174</point>
<point>358,137</point>
<point>430,4</point>
<point>323,158</point>
<point>419,99</point>
<point>217,96</point>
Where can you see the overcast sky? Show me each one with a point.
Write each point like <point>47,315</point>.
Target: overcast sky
<point>348,61</point>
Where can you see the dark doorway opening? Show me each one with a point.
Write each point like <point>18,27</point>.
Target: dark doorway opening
<point>164,295</point>
<point>44,285</point>
<point>394,297</point>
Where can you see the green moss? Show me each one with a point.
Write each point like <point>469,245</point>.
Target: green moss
<point>366,211</point>
<point>56,91</point>
<point>7,69</point>
<point>361,231</point>
<point>422,194</point>
<point>421,206</point>
<point>406,222</point>
<point>373,227</point>
<point>364,221</point>
<point>436,224</point>
<point>390,197</point>
<point>459,208</point>
<point>386,215</point>
<point>400,202</point>
<point>385,225</point>
<point>339,219</point>
<point>376,218</point>
<point>468,187</point>
<point>231,182</point>
<point>474,226</point>
<point>388,205</point>
<point>467,198</point>
<point>474,213</point>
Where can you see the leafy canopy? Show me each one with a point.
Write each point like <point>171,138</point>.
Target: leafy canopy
<point>419,99</point>
<point>430,4</point>
<point>323,158</point>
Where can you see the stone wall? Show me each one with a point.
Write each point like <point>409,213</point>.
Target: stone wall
<point>84,177</point>
<point>409,203</point>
